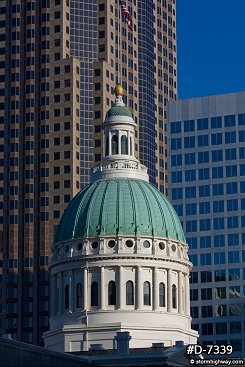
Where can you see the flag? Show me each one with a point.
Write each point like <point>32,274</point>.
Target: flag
<point>127,14</point>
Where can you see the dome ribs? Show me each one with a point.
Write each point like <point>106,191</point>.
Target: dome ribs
<point>164,227</point>
<point>133,206</point>
<point>148,207</point>
<point>77,230</point>
<point>123,206</point>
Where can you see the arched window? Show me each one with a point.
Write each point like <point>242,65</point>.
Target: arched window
<point>107,146</point>
<point>131,151</point>
<point>147,294</point>
<point>79,295</point>
<point>114,144</point>
<point>66,297</point>
<point>129,293</point>
<point>162,295</point>
<point>112,294</point>
<point>174,296</point>
<point>124,144</point>
<point>94,294</point>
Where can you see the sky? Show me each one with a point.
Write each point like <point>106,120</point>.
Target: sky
<point>210,47</point>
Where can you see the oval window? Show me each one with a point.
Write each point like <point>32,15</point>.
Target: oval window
<point>173,248</point>
<point>95,245</point>
<point>146,244</point>
<point>67,247</point>
<point>161,245</point>
<point>111,244</point>
<point>129,243</point>
<point>79,246</point>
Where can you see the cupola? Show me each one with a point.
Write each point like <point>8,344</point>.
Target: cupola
<point>119,144</point>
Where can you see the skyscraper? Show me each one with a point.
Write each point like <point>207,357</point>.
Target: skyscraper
<point>48,49</point>
<point>143,60</point>
<point>207,170</point>
<point>39,131</point>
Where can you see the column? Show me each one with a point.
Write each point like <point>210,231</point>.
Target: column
<point>72,290</point>
<point>85,288</point>
<point>139,288</point>
<point>119,142</point>
<point>61,298</point>
<point>169,291</point>
<point>102,288</point>
<point>104,144</point>
<point>53,295</point>
<point>110,142</point>
<point>121,299</point>
<point>155,289</point>
<point>187,295</point>
<point>128,137</point>
<point>133,144</point>
<point>180,295</point>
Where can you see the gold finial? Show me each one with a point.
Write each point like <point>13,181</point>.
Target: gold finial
<point>118,91</point>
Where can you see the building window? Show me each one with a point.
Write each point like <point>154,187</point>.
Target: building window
<point>174,296</point>
<point>221,328</point>
<point>94,294</point>
<point>66,297</point>
<point>162,295</point>
<point>147,294</point>
<point>129,293</point>
<point>207,329</point>
<point>112,293</point>
<point>79,295</point>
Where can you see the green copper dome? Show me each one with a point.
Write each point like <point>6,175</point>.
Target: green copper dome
<point>118,111</point>
<point>119,206</point>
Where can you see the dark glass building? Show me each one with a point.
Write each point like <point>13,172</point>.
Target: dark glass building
<point>83,45</point>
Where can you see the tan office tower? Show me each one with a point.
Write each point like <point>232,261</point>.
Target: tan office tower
<point>143,60</point>
<point>39,154</point>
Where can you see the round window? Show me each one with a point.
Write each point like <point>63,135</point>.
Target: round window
<point>79,246</point>
<point>161,245</point>
<point>111,244</point>
<point>146,244</point>
<point>129,243</point>
<point>67,247</point>
<point>173,248</point>
<point>95,245</point>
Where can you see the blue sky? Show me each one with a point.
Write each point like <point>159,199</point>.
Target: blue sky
<point>210,46</point>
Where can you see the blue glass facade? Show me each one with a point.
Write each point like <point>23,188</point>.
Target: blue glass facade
<point>146,50</point>
<point>207,180</point>
<point>83,44</point>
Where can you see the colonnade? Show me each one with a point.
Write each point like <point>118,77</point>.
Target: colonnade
<point>130,142</point>
<point>181,283</point>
